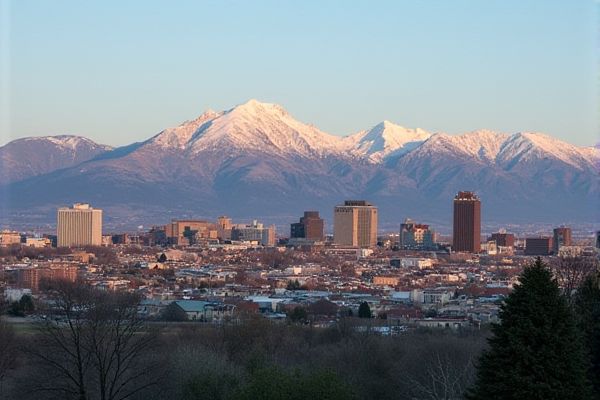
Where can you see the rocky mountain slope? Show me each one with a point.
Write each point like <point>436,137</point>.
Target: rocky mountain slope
<point>24,158</point>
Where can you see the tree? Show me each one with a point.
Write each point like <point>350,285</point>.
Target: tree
<point>91,345</point>
<point>4,305</point>
<point>298,314</point>
<point>587,309</point>
<point>22,307</point>
<point>162,258</point>
<point>446,373</point>
<point>364,311</point>
<point>536,351</point>
<point>323,307</point>
<point>431,313</point>
<point>572,271</point>
<point>173,312</point>
<point>26,304</point>
<point>272,383</point>
<point>293,285</point>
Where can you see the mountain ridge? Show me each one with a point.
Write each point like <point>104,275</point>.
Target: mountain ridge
<point>255,158</point>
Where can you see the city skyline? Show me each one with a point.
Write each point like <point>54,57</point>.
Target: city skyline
<point>496,230</point>
<point>358,229</point>
<point>544,63</point>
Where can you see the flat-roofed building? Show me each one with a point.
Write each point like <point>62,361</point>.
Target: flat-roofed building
<point>224,226</point>
<point>310,227</point>
<point>561,237</point>
<point>189,231</point>
<point>538,246</point>
<point>355,224</point>
<point>31,278</point>
<point>503,239</point>
<point>37,242</point>
<point>386,280</point>
<point>254,232</point>
<point>415,236</point>
<point>9,238</point>
<point>79,226</point>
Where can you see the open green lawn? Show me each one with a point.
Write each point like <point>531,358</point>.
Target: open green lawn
<point>21,326</point>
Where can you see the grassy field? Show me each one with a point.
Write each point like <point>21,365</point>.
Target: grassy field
<point>21,325</point>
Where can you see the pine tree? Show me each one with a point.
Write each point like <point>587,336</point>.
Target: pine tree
<point>587,308</point>
<point>535,352</point>
<point>364,311</point>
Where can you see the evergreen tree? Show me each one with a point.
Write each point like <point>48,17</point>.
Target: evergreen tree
<point>364,311</point>
<point>22,307</point>
<point>587,308</point>
<point>535,352</point>
<point>26,304</point>
<point>293,285</point>
<point>298,314</point>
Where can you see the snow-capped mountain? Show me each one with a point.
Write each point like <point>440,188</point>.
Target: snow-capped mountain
<point>179,136</point>
<point>385,139</point>
<point>252,126</point>
<point>27,157</point>
<point>527,147</point>
<point>256,159</point>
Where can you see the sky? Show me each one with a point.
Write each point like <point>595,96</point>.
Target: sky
<point>121,71</point>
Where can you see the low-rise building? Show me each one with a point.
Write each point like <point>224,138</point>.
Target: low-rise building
<point>9,238</point>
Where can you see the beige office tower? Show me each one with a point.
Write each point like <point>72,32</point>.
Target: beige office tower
<point>355,224</point>
<point>79,226</point>
<point>224,226</point>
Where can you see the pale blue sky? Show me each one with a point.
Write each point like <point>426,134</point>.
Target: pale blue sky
<point>120,71</point>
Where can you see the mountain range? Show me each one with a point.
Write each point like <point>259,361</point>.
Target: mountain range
<point>257,161</point>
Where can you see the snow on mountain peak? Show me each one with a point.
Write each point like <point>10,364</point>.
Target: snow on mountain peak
<point>482,145</point>
<point>262,126</point>
<point>67,142</point>
<point>386,138</point>
<point>256,107</point>
<point>533,145</point>
<point>178,137</point>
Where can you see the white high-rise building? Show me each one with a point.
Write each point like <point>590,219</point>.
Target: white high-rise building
<point>79,226</point>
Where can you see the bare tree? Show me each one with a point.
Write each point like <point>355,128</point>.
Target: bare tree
<point>440,365</point>
<point>445,378</point>
<point>118,341</point>
<point>91,344</point>
<point>571,271</point>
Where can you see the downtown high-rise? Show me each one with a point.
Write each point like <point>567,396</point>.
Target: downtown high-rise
<point>561,237</point>
<point>466,227</point>
<point>79,226</point>
<point>355,224</point>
